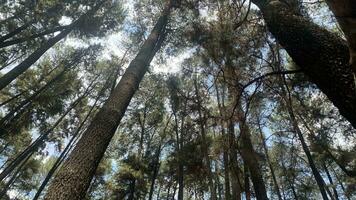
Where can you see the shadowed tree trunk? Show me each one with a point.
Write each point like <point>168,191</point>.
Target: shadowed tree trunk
<point>323,56</point>
<point>73,178</point>
<point>247,183</point>
<point>336,195</point>
<point>71,142</point>
<point>16,174</point>
<point>318,178</point>
<point>250,158</point>
<point>270,163</point>
<point>345,13</point>
<point>16,31</point>
<point>31,37</point>
<point>204,146</point>
<point>233,162</point>
<point>42,138</point>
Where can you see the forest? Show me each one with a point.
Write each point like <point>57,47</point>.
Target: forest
<point>178,99</point>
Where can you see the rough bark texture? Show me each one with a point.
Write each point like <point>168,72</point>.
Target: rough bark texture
<point>250,158</point>
<point>73,178</point>
<point>323,56</point>
<point>345,13</point>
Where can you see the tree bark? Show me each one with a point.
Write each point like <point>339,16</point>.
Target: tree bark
<point>323,56</point>
<point>16,31</point>
<point>67,148</point>
<point>73,178</point>
<point>236,185</point>
<point>250,158</point>
<point>247,183</point>
<point>345,13</point>
<point>270,164</point>
<point>318,178</point>
<point>155,173</point>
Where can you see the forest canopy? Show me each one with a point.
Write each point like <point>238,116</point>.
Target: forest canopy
<point>177,99</point>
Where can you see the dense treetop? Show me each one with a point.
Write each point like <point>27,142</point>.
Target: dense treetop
<point>177,99</point>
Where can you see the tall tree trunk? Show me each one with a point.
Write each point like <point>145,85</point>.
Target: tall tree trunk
<point>6,187</point>
<point>233,162</point>
<point>247,183</point>
<point>336,195</point>
<point>226,159</point>
<point>73,178</point>
<point>226,169</point>
<point>155,173</point>
<point>345,13</point>
<point>204,146</point>
<point>250,158</point>
<point>132,190</point>
<point>16,31</point>
<point>31,59</point>
<point>341,184</point>
<point>318,178</point>
<point>351,173</point>
<point>67,148</point>
<point>270,164</point>
<point>31,37</point>
<point>180,181</point>
<point>9,116</point>
<point>323,56</point>
<point>41,139</point>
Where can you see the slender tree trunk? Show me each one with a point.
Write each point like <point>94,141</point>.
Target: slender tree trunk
<point>31,59</point>
<point>204,146</point>
<point>180,181</point>
<point>323,56</point>
<point>226,159</point>
<point>250,158</point>
<point>31,37</point>
<point>317,176</point>
<point>16,31</point>
<point>336,195</point>
<point>155,173</point>
<point>234,166</point>
<point>8,117</point>
<point>226,169</point>
<point>41,139</point>
<point>351,173</point>
<point>247,183</point>
<point>270,164</point>
<point>14,177</point>
<point>132,190</point>
<point>341,184</point>
<point>67,149</point>
<point>345,13</point>
<point>73,178</point>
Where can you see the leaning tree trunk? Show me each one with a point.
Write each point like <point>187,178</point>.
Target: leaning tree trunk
<point>323,56</point>
<point>345,13</point>
<point>276,186</point>
<point>73,178</point>
<point>31,59</point>
<point>249,156</point>
<point>318,178</point>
